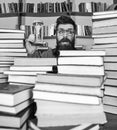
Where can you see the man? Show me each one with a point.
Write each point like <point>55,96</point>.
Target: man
<point>65,37</point>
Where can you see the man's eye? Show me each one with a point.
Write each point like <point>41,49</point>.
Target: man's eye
<point>60,31</point>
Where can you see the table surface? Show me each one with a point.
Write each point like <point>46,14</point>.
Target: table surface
<point>111,122</point>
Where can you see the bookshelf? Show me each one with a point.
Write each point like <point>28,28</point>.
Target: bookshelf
<point>26,17</point>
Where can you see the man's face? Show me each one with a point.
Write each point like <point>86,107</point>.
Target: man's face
<point>65,37</point>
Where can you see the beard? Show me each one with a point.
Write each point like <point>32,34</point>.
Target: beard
<point>65,44</point>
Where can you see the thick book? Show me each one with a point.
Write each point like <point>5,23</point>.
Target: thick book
<point>27,73</point>
<point>108,51</point>
<point>35,61</point>
<point>110,82</point>
<point>104,15</point>
<point>66,97</point>
<point>110,100</point>
<point>110,59</point>
<point>13,54</point>
<point>23,79</point>
<point>81,53</point>
<point>31,68</point>
<point>16,121</point>
<point>50,107</point>
<point>74,89</point>
<point>110,109</point>
<point>16,108</point>
<point>80,70</point>
<point>101,46</point>
<point>11,41</point>
<point>7,30</point>
<point>104,35</point>
<point>104,23</point>
<point>11,45</point>
<point>105,40</point>
<point>67,120</point>
<point>32,123</point>
<point>111,74</point>
<point>12,50</point>
<point>23,127</point>
<point>12,36</point>
<point>110,90</point>
<point>82,80</point>
<point>105,30</point>
<point>97,60</point>
<point>110,66</point>
<point>12,94</point>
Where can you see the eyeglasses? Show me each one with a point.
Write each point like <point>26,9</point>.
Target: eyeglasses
<point>68,32</point>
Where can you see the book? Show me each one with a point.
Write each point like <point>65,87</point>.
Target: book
<point>33,125</point>
<point>63,97</point>
<point>49,107</point>
<point>97,60</point>
<point>108,51</point>
<point>14,54</point>
<point>110,82</point>
<point>110,90</point>
<point>30,80</point>
<point>101,46</point>
<point>80,70</point>
<point>104,35</point>
<point>110,66</point>
<point>104,15</point>
<point>35,61</point>
<point>4,58</point>
<point>23,127</point>
<point>67,120</point>
<point>111,74</point>
<point>110,109</point>
<point>11,45</point>
<point>13,94</point>
<point>12,50</point>
<point>31,68</point>
<point>11,35</point>
<point>11,41</point>
<point>105,12</point>
<point>15,109</point>
<point>74,89</point>
<point>82,80</point>
<point>16,121</point>
<point>104,23</point>
<point>105,30</point>
<point>7,30</point>
<point>110,100</point>
<point>110,59</point>
<point>81,53</point>
<point>87,126</point>
<point>27,73</point>
<point>105,40</point>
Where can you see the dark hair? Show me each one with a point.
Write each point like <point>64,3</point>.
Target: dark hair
<point>64,19</point>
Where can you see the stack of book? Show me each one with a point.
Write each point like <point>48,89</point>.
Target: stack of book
<point>11,45</point>
<point>15,110</point>
<point>24,70</point>
<point>105,38</point>
<point>73,96</point>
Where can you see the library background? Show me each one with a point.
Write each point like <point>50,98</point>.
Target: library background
<point>75,91</point>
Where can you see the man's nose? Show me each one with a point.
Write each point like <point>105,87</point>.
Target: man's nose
<point>65,34</point>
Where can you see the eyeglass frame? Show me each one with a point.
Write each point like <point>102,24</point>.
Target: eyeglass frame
<point>69,32</point>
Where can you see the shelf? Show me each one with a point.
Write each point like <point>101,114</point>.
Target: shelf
<point>9,14</point>
<point>53,37</point>
<point>55,14</point>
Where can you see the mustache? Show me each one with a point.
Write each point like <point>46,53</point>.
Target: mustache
<point>64,40</point>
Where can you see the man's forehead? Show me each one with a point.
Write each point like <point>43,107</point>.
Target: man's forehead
<point>65,26</point>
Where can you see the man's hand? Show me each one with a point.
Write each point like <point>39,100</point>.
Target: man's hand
<point>30,47</point>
